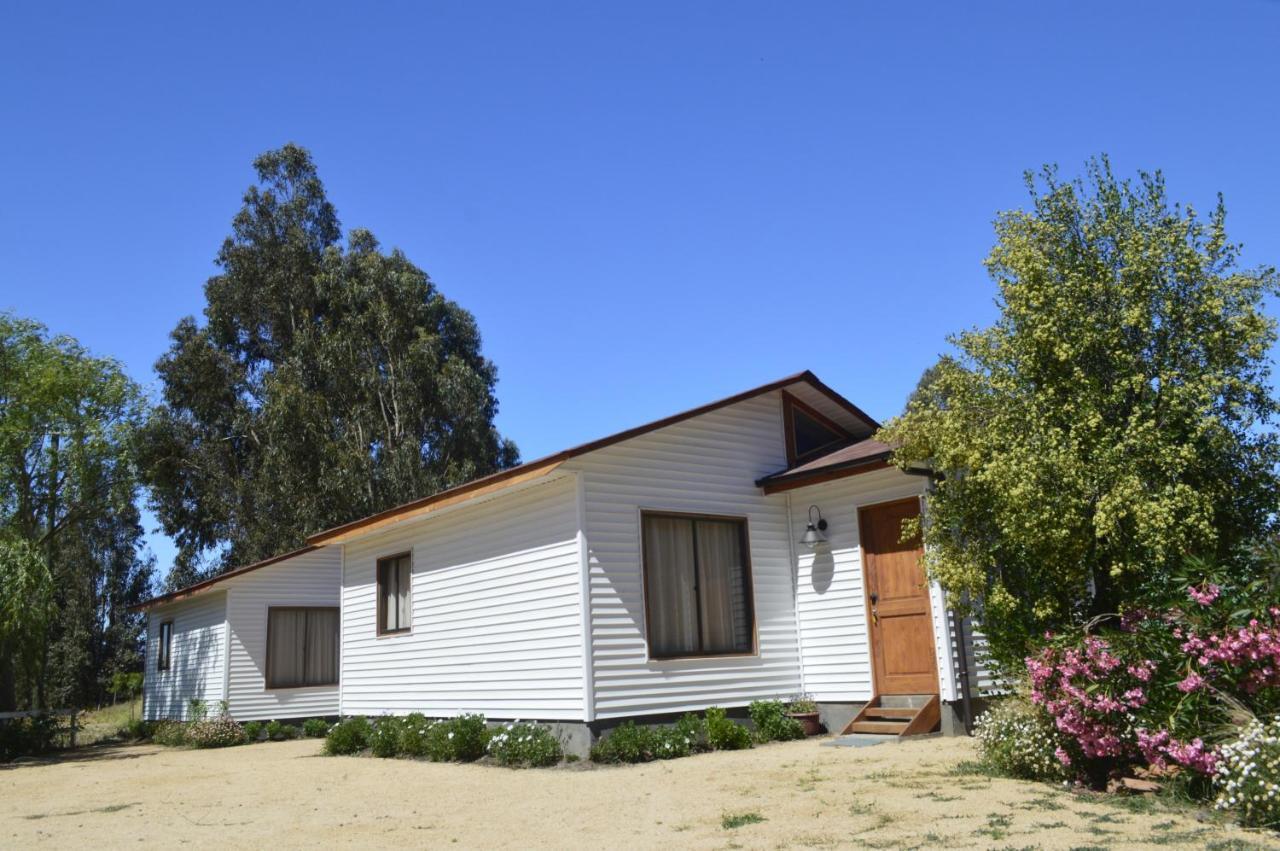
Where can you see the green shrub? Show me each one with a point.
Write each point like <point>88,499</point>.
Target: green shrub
<point>461,739</point>
<point>279,732</point>
<point>348,737</point>
<point>315,728</point>
<point>693,729</point>
<point>135,730</point>
<point>724,734</point>
<point>670,743</point>
<point>1017,739</point>
<point>414,735</point>
<point>530,745</point>
<point>27,736</point>
<point>253,730</point>
<point>772,723</point>
<point>384,740</point>
<point>215,733</point>
<point>197,709</point>
<point>625,743</point>
<point>172,734</point>
<point>802,704</point>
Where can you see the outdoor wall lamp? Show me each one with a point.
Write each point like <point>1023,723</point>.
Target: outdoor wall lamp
<point>816,533</point>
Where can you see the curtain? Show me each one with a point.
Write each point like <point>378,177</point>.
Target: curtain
<point>395,585</point>
<point>669,586</point>
<point>726,623</point>
<point>321,661</point>
<point>287,635</point>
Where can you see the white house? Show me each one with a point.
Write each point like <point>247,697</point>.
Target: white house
<point>664,569</point>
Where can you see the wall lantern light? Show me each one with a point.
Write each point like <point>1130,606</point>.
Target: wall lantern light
<point>816,533</point>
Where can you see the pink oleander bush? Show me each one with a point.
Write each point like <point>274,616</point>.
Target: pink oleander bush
<point>1163,685</point>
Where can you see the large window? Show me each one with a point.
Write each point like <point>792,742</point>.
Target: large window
<point>395,588</point>
<point>302,647</point>
<point>697,584</point>
<point>165,650</point>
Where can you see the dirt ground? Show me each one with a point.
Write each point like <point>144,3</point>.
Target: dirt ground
<point>779,796</point>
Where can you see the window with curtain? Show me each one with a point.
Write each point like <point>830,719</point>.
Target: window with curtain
<point>697,586</point>
<point>395,581</point>
<point>165,646</point>
<point>302,647</point>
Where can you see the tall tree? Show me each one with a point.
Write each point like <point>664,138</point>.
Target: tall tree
<point>1114,419</point>
<point>69,527</point>
<point>327,382</point>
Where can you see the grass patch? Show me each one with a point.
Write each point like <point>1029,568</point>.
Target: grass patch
<point>731,821</point>
<point>997,826</point>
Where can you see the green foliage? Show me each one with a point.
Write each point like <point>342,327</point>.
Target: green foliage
<point>315,728</point>
<point>171,734</point>
<point>253,730</point>
<point>348,737</point>
<point>27,736</point>
<point>328,382</point>
<point>1248,775</point>
<point>772,723</point>
<point>626,743</point>
<point>460,739</point>
<point>414,738</point>
<point>802,704</point>
<point>218,732</point>
<point>127,683</point>
<point>1017,739</point>
<point>724,734</point>
<point>729,821</point>
<point>278,731</point>
<point>1111,421</point>
<point>692,730</point>
<point>136,730</point>
<point>69,524</point>
<point>524,745</point>
<point>384,741</point>
<point>197,709</point>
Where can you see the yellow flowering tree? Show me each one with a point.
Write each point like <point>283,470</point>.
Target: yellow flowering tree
<point>1113,421</point>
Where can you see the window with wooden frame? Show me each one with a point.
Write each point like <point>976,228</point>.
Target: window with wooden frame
<point>697,585</point>
<point>395,590</point>
<point>808,433</point>
<point>164,647</point>
<point>302,646</point>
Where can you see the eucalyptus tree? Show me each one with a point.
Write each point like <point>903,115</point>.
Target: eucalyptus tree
<point>329,380</point>
<point>70,536</point>
<point>1113,421</point>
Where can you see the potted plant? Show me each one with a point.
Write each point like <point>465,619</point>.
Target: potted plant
<point>803,709</point>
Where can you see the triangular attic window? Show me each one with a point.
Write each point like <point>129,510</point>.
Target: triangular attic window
<point>809,433</point>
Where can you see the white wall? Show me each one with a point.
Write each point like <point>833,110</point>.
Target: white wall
<point>497,625</point>
<point>310,579</point>
<point>196,661</point>
<point>706,464</point>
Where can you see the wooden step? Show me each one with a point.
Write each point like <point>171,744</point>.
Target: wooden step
<point>892,712</point>
<point>884,728</point>
<point>907,715</point>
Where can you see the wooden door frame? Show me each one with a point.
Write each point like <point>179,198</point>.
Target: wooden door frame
<point>866,592</point>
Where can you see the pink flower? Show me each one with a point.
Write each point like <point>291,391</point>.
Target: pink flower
<point>1063,756</point>
<point>1192,682</point>
<point>1204,596</point>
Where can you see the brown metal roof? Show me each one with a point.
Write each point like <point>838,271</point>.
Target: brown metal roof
<point>183,593</point>
<point>859,457</point>
<point>543,466</point>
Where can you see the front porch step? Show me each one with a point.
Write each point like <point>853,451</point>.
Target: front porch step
<point>898,715</point>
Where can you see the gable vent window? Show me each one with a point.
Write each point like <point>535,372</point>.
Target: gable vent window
<point>808,433</point>
<point>697,583</point>
<point>395,589</point>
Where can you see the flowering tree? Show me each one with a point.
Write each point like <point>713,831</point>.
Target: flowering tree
<point>1110,423</point>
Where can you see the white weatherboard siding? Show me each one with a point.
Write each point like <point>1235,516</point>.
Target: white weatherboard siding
<point>707,464</point>
<point>310,579</point>
<point>197,657</point>
<point>496,612</point>
<point>829,593</point>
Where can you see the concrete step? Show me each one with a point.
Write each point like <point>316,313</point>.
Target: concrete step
<point>904,701</point>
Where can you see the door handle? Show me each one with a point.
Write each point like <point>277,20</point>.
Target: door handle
<point>875,617</point>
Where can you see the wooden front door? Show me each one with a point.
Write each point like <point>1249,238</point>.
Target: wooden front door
<point>899,620</point>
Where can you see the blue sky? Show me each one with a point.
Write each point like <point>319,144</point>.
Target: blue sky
<point>646,205</point>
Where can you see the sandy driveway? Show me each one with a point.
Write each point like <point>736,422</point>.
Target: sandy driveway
<point>285,794</point>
